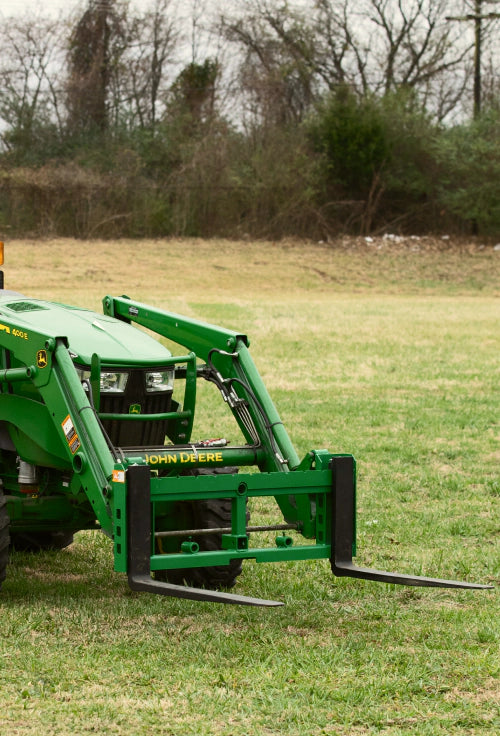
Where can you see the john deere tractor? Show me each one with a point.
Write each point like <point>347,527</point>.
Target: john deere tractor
<point>96,432</point>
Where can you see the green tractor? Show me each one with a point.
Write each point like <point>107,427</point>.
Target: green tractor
<point>96,423</point>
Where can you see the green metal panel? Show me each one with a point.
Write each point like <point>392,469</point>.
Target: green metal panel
<point>120,542</point>
<point>48,513</point>
<point>68,433</point>
<point>78,429</point>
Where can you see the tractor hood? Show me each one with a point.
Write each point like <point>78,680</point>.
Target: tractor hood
<point>86,332</point>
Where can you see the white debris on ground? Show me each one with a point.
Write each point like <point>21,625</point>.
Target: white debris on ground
<point>413,243</point>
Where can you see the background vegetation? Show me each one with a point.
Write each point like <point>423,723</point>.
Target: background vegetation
<point>269,119</point>
<point>386,349</point>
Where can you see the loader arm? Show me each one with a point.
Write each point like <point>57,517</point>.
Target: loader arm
<point>79,430</point>
<point>69,430</point>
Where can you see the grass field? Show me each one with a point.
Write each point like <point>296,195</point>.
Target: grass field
<point>388,350</point>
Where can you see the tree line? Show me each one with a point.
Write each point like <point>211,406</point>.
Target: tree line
<point>267,119</point>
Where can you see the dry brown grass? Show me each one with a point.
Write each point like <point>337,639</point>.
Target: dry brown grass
<point>174,273</point>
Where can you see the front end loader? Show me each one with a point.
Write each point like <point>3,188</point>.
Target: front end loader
<point>96,432</point>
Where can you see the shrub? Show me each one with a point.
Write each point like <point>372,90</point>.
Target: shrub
<point>378,159</point>
<point>469,177</point>
<point>351,134</point>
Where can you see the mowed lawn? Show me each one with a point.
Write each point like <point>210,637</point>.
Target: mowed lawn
<point>385,349</point>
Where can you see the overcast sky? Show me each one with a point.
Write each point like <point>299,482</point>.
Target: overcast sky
<point>53,7</point>
<point>10,7</point>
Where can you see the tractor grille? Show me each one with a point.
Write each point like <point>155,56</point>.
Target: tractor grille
<point>135,400</point>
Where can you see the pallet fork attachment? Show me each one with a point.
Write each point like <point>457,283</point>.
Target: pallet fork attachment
<point>139,530</point>
<point>139,550</point>
<point>343,511</point>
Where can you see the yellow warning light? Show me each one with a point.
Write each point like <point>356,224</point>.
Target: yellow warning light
<point>1,253</point>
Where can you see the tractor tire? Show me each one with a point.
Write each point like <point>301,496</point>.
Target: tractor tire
<point>213,514</point>
<point>40,541</point>
<point>4,537</point>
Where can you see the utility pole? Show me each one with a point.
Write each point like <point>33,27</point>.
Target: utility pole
<point>478,17</point>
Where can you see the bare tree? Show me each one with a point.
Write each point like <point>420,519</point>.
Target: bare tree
<point>418,49</point>
<point>161,39</point>
<point>370,45</point>
<point>141,81</point>
<point>30,90</point>
<point>276,72</point>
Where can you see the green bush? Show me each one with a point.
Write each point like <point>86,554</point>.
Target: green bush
<point>351,133</point>
<point>377,158</point>
<point>469,176</point>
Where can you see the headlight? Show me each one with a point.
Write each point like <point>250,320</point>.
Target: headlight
<point>113,383</point>
<point>83,374</point>
<point>159,381</point>
<point>110,383</point>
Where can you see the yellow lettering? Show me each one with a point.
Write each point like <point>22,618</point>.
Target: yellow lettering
<point>185,457</point>
<point>20,333</point>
